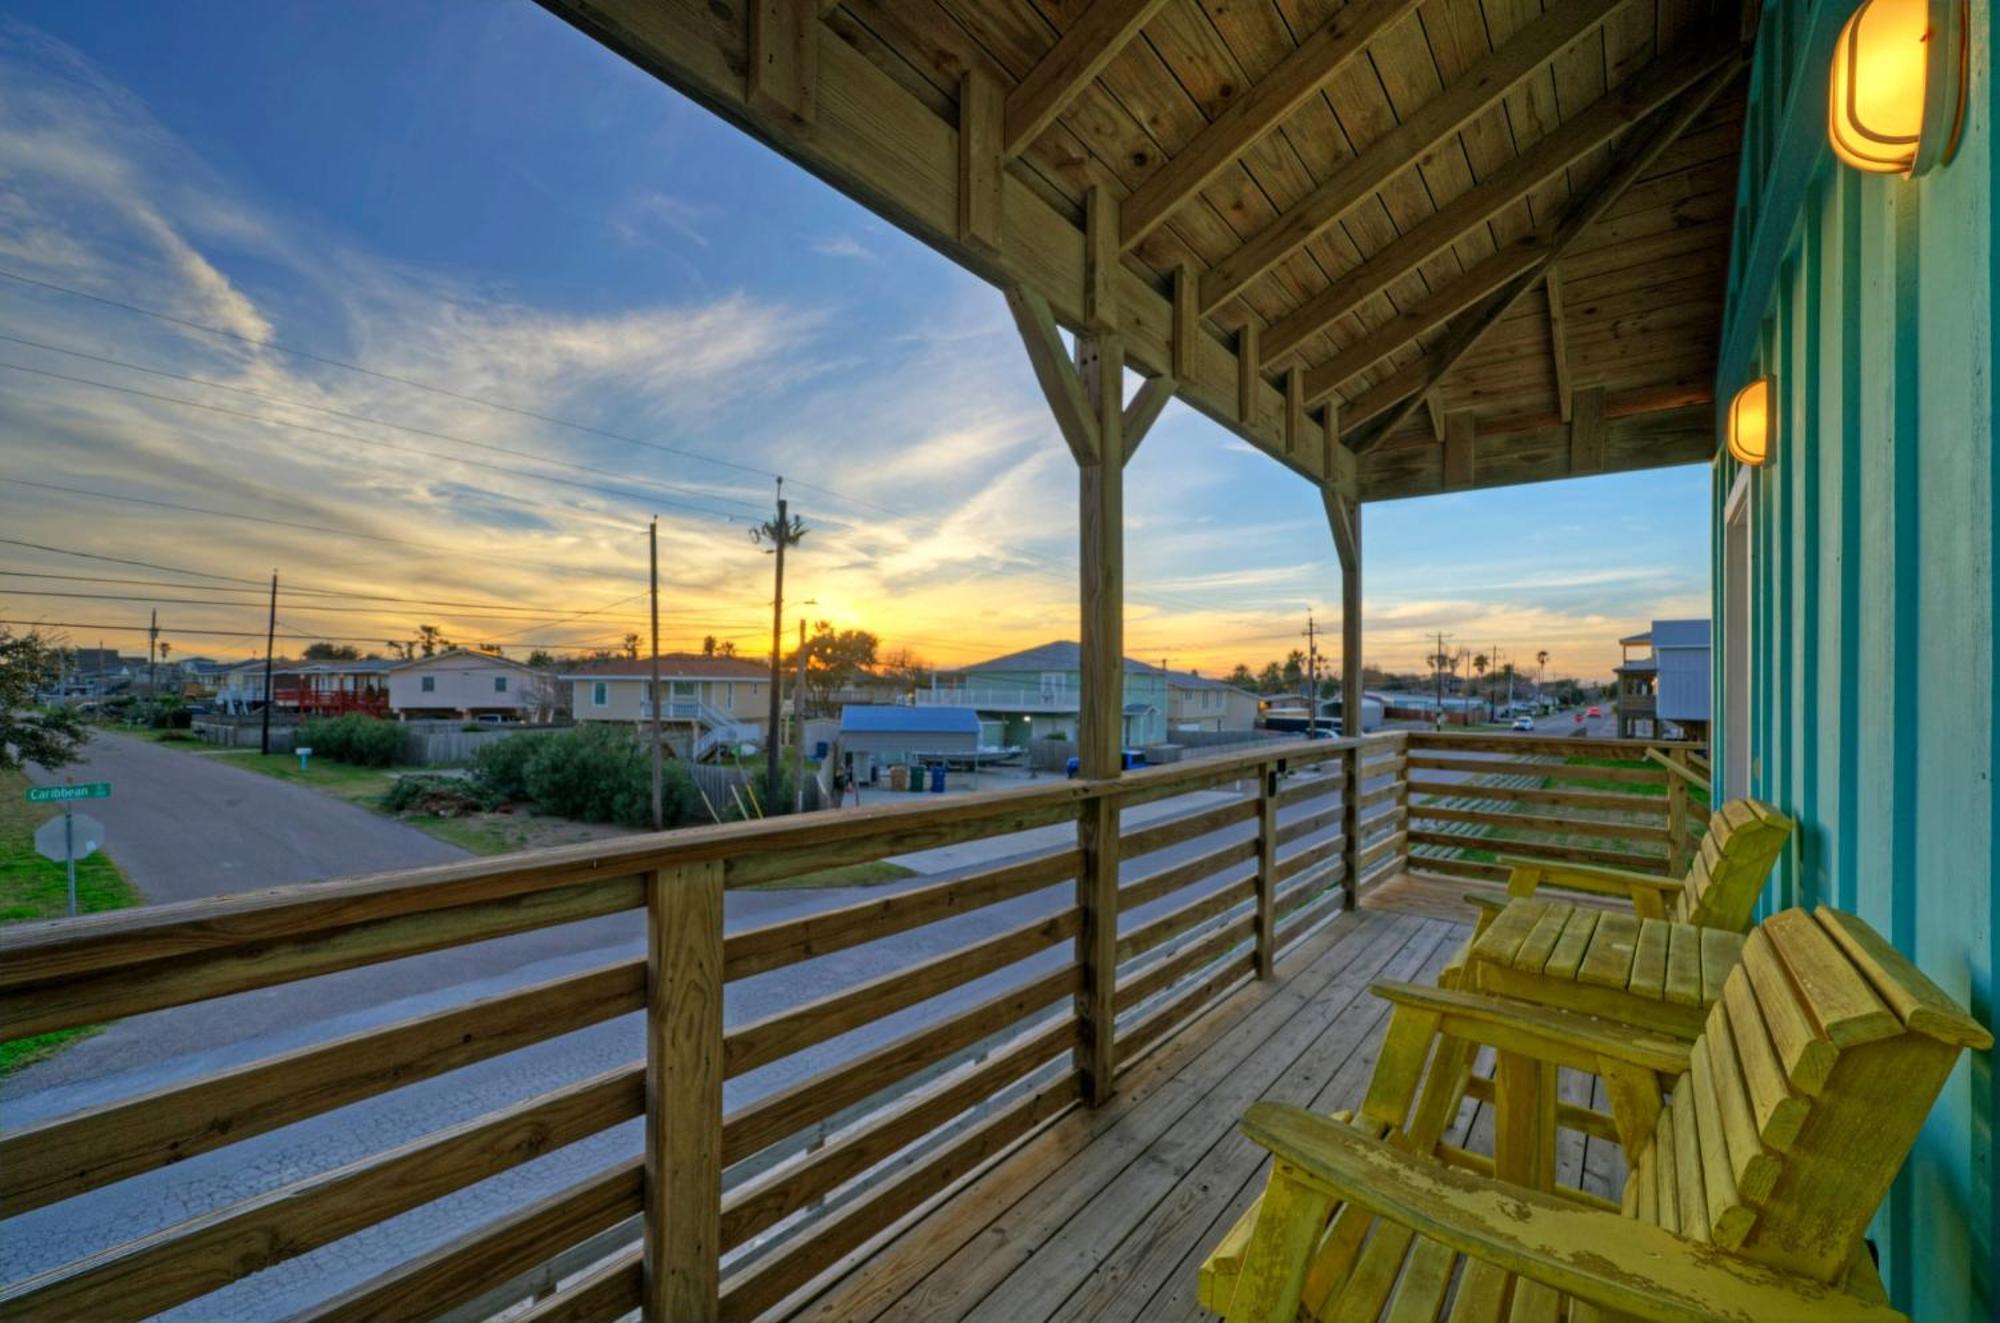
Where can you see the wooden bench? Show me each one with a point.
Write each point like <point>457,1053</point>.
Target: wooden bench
<point>1757,1168</point>
<point>1657,973</point>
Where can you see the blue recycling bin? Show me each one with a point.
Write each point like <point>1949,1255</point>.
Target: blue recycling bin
<point>937,778</point>
<point>820,750</point>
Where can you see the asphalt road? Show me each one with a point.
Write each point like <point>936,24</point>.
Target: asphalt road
<point>150,1051</point>
<point>183,826</point>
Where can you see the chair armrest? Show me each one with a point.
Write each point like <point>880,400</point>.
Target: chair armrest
<point>1599,879</point>
<point>1608,1260</point>
<point>1545,1033</point>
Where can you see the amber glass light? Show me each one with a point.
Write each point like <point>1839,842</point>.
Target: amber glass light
<point>1893,98</point>
<point>1750,423</point>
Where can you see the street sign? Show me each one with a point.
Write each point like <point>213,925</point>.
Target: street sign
<point>64,794</point>
<point>72,836</point>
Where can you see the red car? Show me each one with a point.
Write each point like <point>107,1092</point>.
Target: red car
<point>1593,711</point>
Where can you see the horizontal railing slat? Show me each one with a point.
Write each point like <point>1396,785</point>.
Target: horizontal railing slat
<point>1634,775</point>
<point>1166,881</point>
<point>465,1267</point>
<point>1137,985</point>
<point>207,1252</point>
<point>610,1291</point>
<point>65,1157</point>
<point>758,950</point>
<point>1536,849</point>
<point>1175,831</point>
<point>112,993</point>
<point>1650,805</point>
<point>809,1101</point>
<point>1305,824</point>
<point>1171,924</point>
<point>1154,1025</point>
<point>1622,831</point>
<point>763,1041</point>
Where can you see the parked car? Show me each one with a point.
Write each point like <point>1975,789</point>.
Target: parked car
<point>1593,711</point>
<point>1524,723</point>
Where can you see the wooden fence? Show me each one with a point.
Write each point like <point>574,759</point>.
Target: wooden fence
<point>738,1211</point>
<point>1626,803</point>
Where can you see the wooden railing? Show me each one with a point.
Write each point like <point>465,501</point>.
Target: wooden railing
<point>722,1212</point>
<point>1628,803</point>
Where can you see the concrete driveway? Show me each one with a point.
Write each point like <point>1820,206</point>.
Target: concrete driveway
<point>183,826</point>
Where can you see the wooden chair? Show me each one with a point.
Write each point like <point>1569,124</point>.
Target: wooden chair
<point>1756,1173</point>
<point>1745,837</point>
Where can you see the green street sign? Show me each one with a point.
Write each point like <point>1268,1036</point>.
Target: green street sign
<point>64,794</point>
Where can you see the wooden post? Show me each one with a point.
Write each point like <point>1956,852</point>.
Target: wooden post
<point>1100,361</point>
<point>1343,514</point>
<point>1677,816</point>
<point>1267,869</point>
<point>683,1236</point>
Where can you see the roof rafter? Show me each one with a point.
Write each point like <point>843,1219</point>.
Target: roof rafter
<point>1592,127</point>
<point>1399,148</point>
<point>1267,103</point>
<point>1072,64</point>
<point>1661,131</point>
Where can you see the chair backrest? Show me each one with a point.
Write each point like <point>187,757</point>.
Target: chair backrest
<point>1806,1089</point>
<point>1745,837</point>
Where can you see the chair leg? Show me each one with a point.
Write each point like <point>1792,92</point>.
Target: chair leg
<point>1290,1224</point>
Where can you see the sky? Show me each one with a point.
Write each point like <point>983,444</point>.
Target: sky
<point>430,308</point>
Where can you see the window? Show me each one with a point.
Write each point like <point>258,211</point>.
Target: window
<point>600,694</point>
<point>428,684</point>
<point>499,684</point>
<point>1736,637</point>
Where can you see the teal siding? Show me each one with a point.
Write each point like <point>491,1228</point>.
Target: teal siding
<point>1873,598</point>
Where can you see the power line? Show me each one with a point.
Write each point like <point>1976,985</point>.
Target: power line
<point>119,560</point>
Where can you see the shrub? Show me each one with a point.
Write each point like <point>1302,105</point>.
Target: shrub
<point>501,766</point>
<point>446,796</point>
<point>363,741</point>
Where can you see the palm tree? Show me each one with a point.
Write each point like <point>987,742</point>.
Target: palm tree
<point>1541,664</point>
<point>1479,664</point>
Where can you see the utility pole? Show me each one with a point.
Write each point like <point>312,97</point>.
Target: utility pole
<point>270,638</point>
<point>1312,674</point>
<point>780,533</point>
<point>152,662</point>
<point>1437,673</point>
<point>799,727</point>
<point>653,561</point>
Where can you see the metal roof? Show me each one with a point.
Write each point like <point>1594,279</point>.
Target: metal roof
<point>1060,655</point>
<point>886,719</point>
<point>1680,634</point>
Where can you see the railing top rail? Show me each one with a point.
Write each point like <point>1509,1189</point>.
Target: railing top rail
<point>34,953</point>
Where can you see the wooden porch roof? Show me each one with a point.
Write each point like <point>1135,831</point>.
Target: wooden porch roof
<point>1475,242</point>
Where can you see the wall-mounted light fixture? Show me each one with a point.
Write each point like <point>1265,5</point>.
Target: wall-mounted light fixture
<point>1750,423</point>
<point>1896,98</point>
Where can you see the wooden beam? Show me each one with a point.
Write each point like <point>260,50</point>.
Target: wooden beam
<point>1423,317</point>
<point>1058,378</point>
<point>1395,151</point>
<point>1187,321</point>
<point>683,1123</point>
<point>1144,411</point>
<point>1100,259</point>
<point>1072,64</point>
<point>1249,378</point>
<point>981,111</point>
<point>1267,103</point>
<point>783,77</point>
<point>1584,132</point>
<point>1660,132</point>
<point>1586,432</point>
<point>1434,403</point>
<point>1295,410</point>
<point>1459,440</point>
<point>1558,338</point>
<point>1412,465</point>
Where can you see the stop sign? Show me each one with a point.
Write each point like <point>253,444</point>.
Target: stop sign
<point>83,835</point>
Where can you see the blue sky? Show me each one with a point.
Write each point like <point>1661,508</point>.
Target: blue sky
<point>578,300</point>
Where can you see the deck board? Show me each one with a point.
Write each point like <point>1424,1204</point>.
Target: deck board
<point>1107,1214</point>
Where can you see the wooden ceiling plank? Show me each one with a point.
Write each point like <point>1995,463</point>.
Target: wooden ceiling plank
<point>1562,24</point>
<point>1659,133</point>
<point>1268,102</point>
<point>1071,65</point>
<point>1590,128</point>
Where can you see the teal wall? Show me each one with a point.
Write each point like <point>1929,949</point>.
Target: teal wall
<point>1872,593</point>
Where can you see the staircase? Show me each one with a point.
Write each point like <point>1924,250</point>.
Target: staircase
<point>713,728</point>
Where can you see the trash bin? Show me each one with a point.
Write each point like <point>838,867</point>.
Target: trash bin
<point>937,778</point>
<point>916,778</point>
<point>899,777</point>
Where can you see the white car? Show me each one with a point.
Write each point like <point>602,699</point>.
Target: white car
<point>1524,723</point>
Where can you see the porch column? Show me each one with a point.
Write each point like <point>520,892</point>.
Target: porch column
<point>1087,398</point>
<point>1343,514</point>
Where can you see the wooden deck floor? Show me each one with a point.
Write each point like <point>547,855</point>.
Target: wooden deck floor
<point>1106,1214</point>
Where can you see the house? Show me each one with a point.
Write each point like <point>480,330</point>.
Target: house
<point>708,701</point>
<point>1197,703</point>
<point>1033,694</point>
<point>872,736</point>
<point>463,684</point>
<point>1663,692</point>
<point>335,688</point>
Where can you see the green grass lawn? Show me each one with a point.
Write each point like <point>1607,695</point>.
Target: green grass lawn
<point>358,785</point>
<point>32,887</point>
